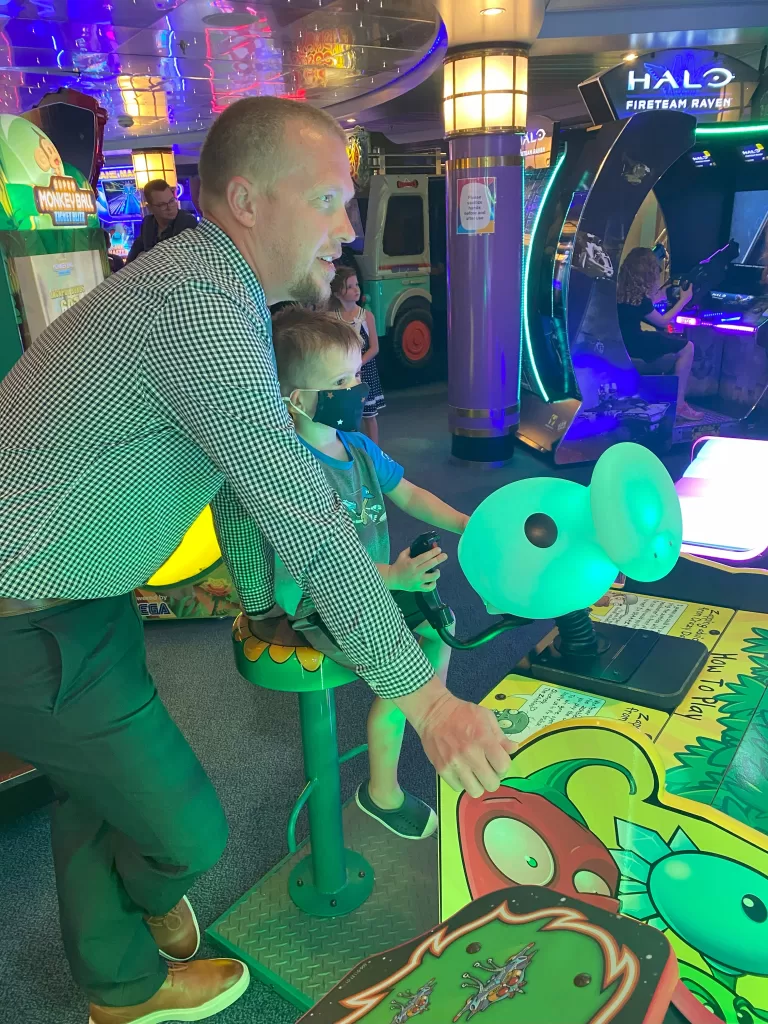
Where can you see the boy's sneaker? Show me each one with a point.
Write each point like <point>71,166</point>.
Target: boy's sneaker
<point>412,820</point>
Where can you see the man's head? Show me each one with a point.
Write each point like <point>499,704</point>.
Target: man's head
<point>275,176</point>
<point>314,352</point>
<point>161,200</point>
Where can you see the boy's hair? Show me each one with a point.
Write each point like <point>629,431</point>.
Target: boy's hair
<point>299,335</point>
<point>639,273</point>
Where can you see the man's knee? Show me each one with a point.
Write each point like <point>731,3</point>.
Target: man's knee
<point>198,837</point>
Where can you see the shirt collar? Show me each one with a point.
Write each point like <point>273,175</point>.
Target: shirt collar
<point>235,261</point>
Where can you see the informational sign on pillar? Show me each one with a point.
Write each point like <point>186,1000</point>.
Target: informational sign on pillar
<point>476,206</point>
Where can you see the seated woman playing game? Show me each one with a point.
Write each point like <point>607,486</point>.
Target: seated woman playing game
<point>660,352</point>
<point>318,366</point>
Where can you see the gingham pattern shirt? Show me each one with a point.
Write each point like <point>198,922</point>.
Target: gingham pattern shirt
<point>153,396</point>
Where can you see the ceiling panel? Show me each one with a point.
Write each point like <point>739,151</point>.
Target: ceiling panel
<point>169,66</point>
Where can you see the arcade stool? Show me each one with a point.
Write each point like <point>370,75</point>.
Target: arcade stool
<point>330,881</point>
<point>307,922</point>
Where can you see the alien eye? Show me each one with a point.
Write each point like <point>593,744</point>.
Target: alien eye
<point>519,852</point>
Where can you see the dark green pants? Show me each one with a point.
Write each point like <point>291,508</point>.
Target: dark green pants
<point>138,819</point>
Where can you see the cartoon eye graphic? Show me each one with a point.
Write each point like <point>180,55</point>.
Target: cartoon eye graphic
<point>754,908</point>
<point>519,852</point>
<point>588,881</point>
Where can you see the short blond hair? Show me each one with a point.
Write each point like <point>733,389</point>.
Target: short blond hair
<point>299,336</point>
<point>247,139</point>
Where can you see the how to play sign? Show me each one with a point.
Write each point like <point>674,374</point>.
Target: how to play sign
<point>710,85</point>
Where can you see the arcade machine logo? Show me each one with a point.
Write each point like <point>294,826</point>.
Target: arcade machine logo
<point>692,91</point>
<point>68,205</point>
<point>709,85</point>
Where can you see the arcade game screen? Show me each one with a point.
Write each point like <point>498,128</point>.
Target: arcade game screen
<point>749,227</point>
<point>49,283</point>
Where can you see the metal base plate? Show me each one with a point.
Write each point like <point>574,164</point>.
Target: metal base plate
<point>303,957</point>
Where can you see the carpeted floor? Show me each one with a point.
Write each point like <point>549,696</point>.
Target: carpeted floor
<point>248,740</point>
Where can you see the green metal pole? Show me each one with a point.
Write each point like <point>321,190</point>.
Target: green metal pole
<point>317,713</point>
<point>331,881</point>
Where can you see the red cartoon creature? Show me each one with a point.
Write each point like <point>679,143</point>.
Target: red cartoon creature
<point>529,833</point>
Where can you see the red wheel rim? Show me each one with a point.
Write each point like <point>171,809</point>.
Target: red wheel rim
<point>417,341</point>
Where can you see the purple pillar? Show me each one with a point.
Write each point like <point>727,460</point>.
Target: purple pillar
<point>484,186</point>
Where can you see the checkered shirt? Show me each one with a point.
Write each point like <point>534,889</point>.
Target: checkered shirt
<point>155,395</point>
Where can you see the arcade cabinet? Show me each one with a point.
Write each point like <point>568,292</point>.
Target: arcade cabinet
<point>51,254</point>
<point>51,244</point>
<point>649,150</point>
<point>619,805</point>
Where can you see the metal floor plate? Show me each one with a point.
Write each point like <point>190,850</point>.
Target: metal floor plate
<point>304,957</point>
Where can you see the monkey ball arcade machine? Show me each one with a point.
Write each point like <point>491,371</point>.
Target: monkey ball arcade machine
<point>674,160</point>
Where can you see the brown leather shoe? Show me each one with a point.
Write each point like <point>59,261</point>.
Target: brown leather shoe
<point>176,933</point>
<point>193,991</point>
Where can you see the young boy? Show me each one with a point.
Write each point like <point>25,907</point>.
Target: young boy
<point>318,365</point>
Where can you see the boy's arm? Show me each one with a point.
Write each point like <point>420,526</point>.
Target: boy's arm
<point>428,507</point>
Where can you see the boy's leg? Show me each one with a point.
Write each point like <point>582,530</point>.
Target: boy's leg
<point>386,725</point>
<point>436,649</point>
<point>138,820</point>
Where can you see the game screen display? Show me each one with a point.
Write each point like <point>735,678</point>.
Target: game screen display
<point>749,227</point>
<point>52,282</point>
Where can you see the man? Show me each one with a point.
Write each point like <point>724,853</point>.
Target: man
<point>165,219</point>
<point>153,396</point>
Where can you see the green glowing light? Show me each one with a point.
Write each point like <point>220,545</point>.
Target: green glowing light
<point>741,129</point>
<point>527,334</point>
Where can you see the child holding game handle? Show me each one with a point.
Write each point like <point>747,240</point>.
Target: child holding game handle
<point>344,303</point>
<point>318,365</point>
<point>660,351</point>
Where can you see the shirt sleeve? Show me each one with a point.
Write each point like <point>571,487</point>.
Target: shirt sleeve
<point>388,472</point>
<point>209,367</point>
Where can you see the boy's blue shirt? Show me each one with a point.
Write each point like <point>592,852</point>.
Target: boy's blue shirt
<point>361,483</point>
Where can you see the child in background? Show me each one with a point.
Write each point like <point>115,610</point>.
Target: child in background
<point>318,366</point>
<point>345,296</point>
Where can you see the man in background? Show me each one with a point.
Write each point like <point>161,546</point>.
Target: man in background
<point>164,220</point>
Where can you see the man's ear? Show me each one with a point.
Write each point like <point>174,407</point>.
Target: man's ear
<point>242,200</point>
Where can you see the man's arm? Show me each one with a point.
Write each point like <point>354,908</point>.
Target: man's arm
<point>245,551</point>
<point>428,507</point>
<point>212,371</point>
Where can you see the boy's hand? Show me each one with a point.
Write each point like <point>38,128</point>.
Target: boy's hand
<point>417,573</point>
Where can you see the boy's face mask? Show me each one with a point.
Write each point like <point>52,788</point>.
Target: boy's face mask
<point>342,409</point>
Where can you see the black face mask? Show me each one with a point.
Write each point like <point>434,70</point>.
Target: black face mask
<point>343,409</point>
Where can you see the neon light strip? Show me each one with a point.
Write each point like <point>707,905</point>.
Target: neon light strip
<point>735,327</point>
<point>528,344</point>
<point>740,130</point>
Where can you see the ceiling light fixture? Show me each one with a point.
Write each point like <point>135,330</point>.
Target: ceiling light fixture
<point>629,57</point>
<point>350,120</point>
<point>489,12</point>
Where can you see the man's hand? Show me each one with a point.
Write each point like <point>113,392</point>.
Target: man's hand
<point>462,740</point>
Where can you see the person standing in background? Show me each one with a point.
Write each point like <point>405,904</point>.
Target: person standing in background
<point>345,296</point>
<point>165,219</point>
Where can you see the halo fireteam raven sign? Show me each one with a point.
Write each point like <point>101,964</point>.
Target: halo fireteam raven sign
<point>710,85</point>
